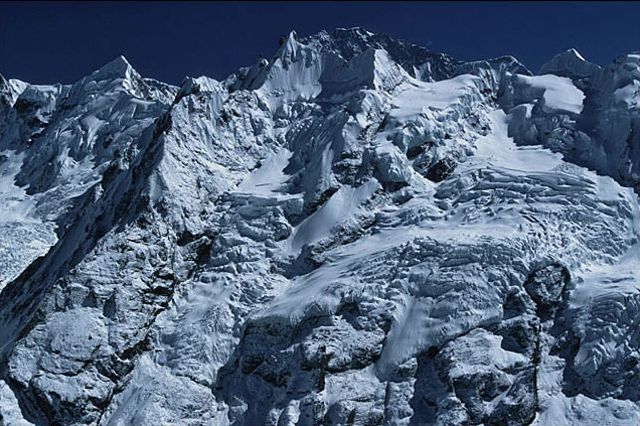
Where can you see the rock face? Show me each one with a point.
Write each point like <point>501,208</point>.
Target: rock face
<point>354,231</point>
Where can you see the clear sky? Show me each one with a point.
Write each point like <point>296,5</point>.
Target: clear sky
<point>44,42</point>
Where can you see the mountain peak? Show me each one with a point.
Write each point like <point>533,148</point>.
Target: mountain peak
<point>417,60</point>
<point>288,44</point>
<point>354,31</point>
<point>117,68</point>
<point>10,89</point>
<point>569,63</point>
<point>573,52</point>
<point>570,54</point>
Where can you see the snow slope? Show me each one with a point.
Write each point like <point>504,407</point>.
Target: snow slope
<point>355,230</point>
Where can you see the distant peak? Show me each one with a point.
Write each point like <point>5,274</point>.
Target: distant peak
<point>569,63</point>
<point>417,60</point>
<point>119,64</point>
<point>574,52</point>
<point>292,38</point>
<point>505,63</point>
<point>289,45</point>
<point>352,35</point>
<point>192,86</point>
<point>10,89</point>
<point>355,31</point>
<point>117,68</point>
<point>569,54</point>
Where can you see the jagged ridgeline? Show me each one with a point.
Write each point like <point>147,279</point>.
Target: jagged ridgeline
<point>355,230</point>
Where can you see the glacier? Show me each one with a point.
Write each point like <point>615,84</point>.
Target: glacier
<point>353,231</point>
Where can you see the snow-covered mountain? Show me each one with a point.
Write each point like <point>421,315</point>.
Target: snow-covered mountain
<point>354,231</point>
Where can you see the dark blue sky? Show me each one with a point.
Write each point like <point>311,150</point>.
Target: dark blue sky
<point>50,42</point>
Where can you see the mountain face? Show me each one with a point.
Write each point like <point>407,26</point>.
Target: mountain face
<point>354,231</point>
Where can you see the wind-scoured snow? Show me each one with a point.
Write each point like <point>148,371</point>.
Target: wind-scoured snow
<point>342,205</point>
<point>269,178</point>
<point>559,92</point>
<point>438,95</point>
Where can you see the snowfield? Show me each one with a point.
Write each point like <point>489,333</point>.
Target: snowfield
<point>355,230</point>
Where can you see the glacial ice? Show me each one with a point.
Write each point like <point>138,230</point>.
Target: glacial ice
<point>355,230</point>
